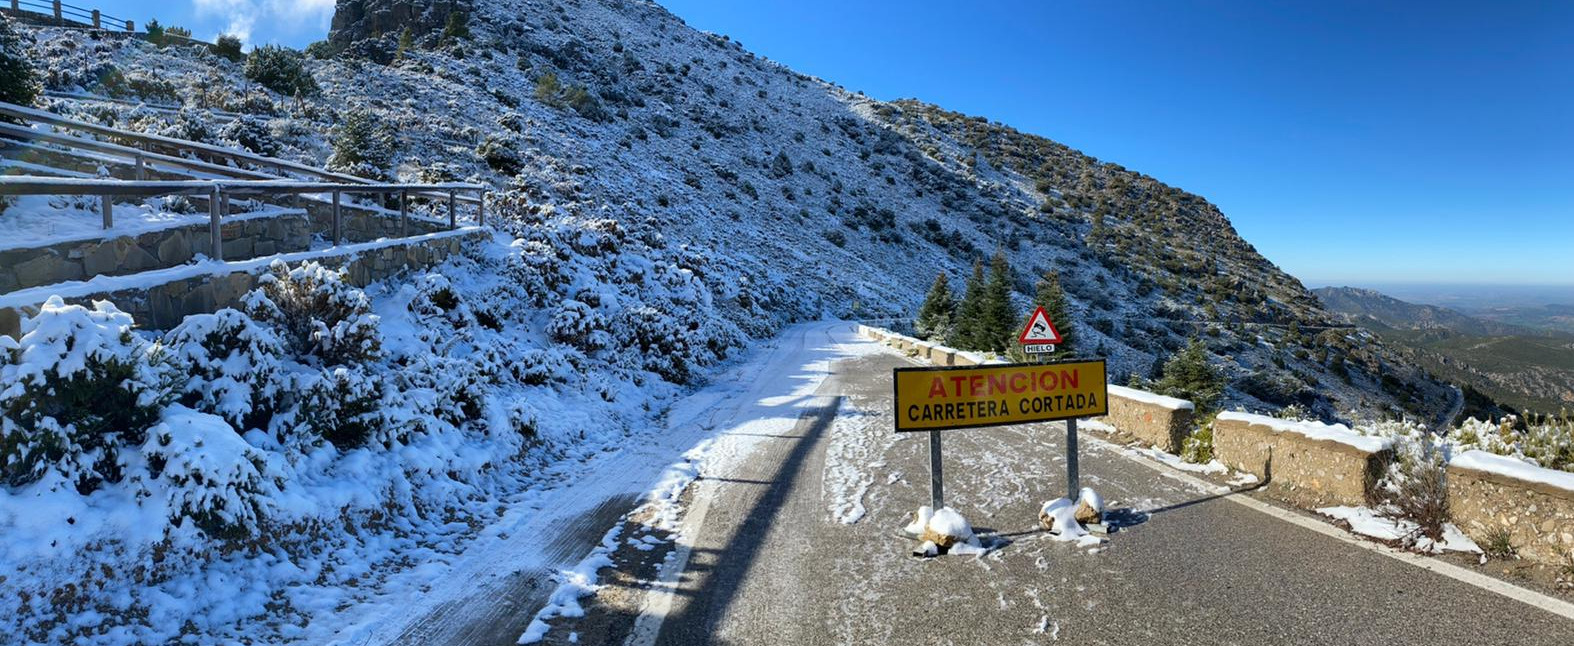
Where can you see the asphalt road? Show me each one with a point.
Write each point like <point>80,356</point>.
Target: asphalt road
<point>799,546</point>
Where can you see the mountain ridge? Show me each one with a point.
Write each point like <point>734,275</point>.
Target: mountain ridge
<point>795,199</point>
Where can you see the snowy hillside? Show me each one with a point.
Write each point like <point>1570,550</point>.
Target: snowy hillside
<point>818,201</point>
<point>668,199</point>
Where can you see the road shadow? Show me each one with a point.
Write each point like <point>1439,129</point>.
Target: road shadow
<point>696,621</point>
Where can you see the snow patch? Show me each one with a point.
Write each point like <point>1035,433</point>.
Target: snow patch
<point>1369,522</point>
<point>1313,430</point>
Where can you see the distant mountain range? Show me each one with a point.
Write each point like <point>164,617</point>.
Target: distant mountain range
<point>1501,366</point>
<point>1392,312</point>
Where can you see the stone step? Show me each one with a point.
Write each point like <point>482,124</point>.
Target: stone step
<point>243,238</point>
<point>161,299</point>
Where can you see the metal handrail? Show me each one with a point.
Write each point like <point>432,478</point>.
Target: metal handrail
<point>157,107</point>
<point>134,155</point>
<point>49,118</point>
<point>219,192</point>
<point>60,10</point>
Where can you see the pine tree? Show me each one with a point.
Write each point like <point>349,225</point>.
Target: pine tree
<point>936,316</point>
<point>968,314</point>
<point>1048,295</point>
<point>997,317</point>
<point>1188,375</point>
<point>18,82</point>
<point>1293,336</point>
<point>406,43</point>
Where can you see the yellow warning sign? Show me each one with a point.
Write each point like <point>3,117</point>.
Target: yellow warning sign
<point>933,399</point>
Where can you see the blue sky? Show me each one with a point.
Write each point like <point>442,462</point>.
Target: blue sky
<point>1351,142</point>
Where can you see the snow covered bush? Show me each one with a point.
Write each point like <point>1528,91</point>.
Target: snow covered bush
<point>280,69</point>
<point>250,133</point>
<point>203,471</point>
<point>231,364</point>
<point>578,325</point>
<point>228,47</point>
<point>318,314</point>
<point>1546,441</point>
<point>77,388</point>
<point>341,405</point>
<point>18,82</point>
<point>536,266</point>
<point>1198,447</point>
<point>1416,485</point>
<point>362,145</point>
<point>500,151</point>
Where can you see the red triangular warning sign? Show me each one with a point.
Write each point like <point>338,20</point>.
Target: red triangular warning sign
<point>1039,329</point>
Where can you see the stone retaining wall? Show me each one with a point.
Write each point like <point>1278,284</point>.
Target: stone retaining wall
<point>1154,420</point>
<point>84,259</point>
<point>1299,461</point>
<point>1537,517</point>
<point>164,306</point>
<point>364,225</point>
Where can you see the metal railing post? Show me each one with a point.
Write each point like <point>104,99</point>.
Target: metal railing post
<point>336,224</point>
<point>97,22</point>
<point>453,211</point>
<point>107,202</point>
<point>131,26</point>
<point>404,214</point>
<point>480,208</point>
<point>58,17</point>
<point>16,5</point>
<point>142,169</point>
<point>215,233</point>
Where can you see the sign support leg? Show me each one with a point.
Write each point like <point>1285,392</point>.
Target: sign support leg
<point>936,489</point>
<point>1073,487</point>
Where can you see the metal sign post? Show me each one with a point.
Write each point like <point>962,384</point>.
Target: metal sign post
<point>936,486</point>
<point>1073,487</point>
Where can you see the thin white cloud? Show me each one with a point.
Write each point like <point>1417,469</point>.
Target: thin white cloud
<point>242,17</point>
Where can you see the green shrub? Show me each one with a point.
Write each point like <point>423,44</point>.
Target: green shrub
<point>232,367</point>
<point>228,47</point>
<point>1188,375</point>
<point>1198,447</point>
<point>1416,486</point>
<point>280,69</point>
<point>362,145</point>
<point>76,389</point>
<point>501,153</point>
<point>19,83</point>
<point>319,316</point>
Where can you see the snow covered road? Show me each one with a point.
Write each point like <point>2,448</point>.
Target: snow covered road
<point>489,593</point>
<point>797,544</point>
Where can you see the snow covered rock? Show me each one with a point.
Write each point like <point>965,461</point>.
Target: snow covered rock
<point>943,531</point>
<point>1059,516</point>
<point>1090,507</point>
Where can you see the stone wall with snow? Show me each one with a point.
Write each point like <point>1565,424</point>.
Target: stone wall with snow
<point>1309,463</point>
<point>1156,420</point>
<point>204,288</point>
<point>1492,495</point>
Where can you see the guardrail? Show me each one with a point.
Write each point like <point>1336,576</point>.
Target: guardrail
<point>219,193</point>
<point>79,97</point>
<point>63,13</point>
<point>147,142</point>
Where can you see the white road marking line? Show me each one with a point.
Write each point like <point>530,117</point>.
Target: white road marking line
<point>1530,597</point>
<point>657,604</point>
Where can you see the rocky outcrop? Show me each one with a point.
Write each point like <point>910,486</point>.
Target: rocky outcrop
<point>355,22</point>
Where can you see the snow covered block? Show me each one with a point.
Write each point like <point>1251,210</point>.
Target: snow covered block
<point>1156,420</point>
<point>1311,464</point>
<point>965,358</point>
<point>1491,494</point>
